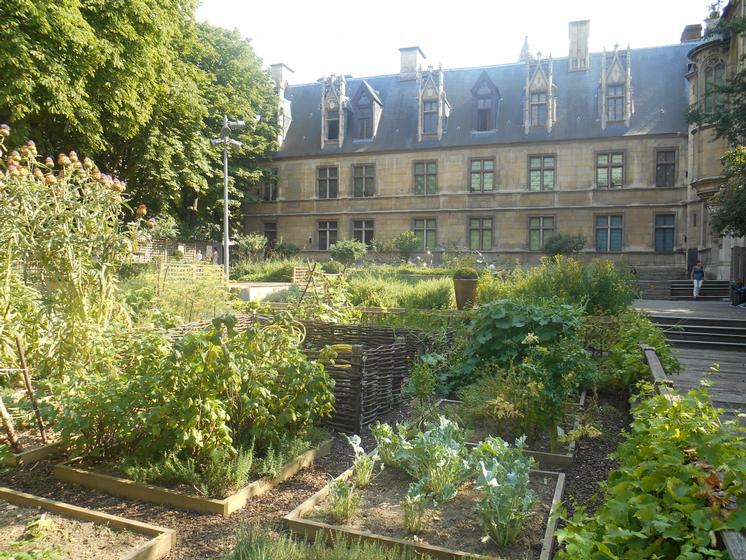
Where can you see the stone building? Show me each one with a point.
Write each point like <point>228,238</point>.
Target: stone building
<point>499,158</point>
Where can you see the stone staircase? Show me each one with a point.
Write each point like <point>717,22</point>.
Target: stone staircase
<point>703,332</point>
<point>654,281</point>
<point>712,290</point>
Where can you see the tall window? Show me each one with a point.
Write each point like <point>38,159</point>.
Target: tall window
<point>332,125</point>
<point>327,234</point>
<point>429,117</point>
<point>608,234</point>
<point>609,170</point>
<point>269,186</point>
<point>327,182</point>
<point>485,120</point>
<point>364,118</point>
<point>425,177</point>
<point>615,103</point>
<point>363,180</point>
<point>270,232</point>
<point>362,230</point>
<point>540,228</point>
<point>482,175</point>
<point>539,109</point>
<point>541,173</point>
<point>714,80</point>
<point>665,168</point>
<point>425,230</point>
<point>665,225</point>
<point>480,234</point>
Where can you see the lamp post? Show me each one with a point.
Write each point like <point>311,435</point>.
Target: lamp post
<point>225,140</point>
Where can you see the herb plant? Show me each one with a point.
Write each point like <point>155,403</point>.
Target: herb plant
<point>362,467</point>
<point>343,500</point>
<point>414,507</point>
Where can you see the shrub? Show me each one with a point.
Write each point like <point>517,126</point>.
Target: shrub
<point>273,270</point>
<point>285,250</point>
<point>372,291</point>
<point>406,243</point>
<point>563,244</point>
<point>250,246</point>
<point>347,251</point>
<point>362,467</point>
<point>679,468</point>
<point>343,500</point>
<point>332,267</point>
<point>465,273</point>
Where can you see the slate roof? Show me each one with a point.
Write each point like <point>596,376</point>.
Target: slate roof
<point>658,83</point>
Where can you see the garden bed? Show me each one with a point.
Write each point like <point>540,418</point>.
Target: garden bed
<point>75,532</point>
<point>73,473</point>
<point>454,531</point>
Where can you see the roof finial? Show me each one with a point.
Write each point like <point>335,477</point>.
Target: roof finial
<point>525,52</point>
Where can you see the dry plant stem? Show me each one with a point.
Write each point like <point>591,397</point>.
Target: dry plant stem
<point>9,429</point>
<point>30,389</point>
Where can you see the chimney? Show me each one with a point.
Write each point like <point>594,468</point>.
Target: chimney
<point>280,74</point>
<point>411,62</point>
<point>579,58</point>
<point>691,32</point>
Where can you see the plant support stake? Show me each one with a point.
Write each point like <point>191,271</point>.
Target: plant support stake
<point>30,389</point>
<point>8,425</point>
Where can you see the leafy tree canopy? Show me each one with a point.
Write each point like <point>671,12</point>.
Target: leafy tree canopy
<point>140,86</point>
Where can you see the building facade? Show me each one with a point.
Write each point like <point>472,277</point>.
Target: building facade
<point>496,159</point>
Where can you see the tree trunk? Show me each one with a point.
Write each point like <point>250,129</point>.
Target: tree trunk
<point>9,429</point>
<point>30,389</point>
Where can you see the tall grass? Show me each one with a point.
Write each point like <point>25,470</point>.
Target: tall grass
<point>369,290</point>
<point>273,270</point>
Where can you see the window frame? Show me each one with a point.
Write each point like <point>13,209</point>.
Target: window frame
<point>675,165</point>
<point>608,229</point>
<point>328,231</point>
<point>429,113</point>
<point>481,229</point>
<point>542,229</point>
<point>710,95</point>
<point>619,101</point>
<point>667,227</point>
<point>270,186</point>
<point>364,166</point>
<point>425,229</point>
<point>469,173</point>
<point>327,128</point>
<point>609,167</point>
<point>537,122</point>
<point>363,114</point>
<point>327,179</point>
<point>542,187</point>
<point>426,174</point>
<point>270,242</point>
<point>364,230</point>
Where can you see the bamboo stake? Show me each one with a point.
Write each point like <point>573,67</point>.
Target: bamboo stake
<point>9,429</point>
<point>30,389</point>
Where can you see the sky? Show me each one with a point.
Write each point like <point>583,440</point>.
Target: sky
<point>320,37</point>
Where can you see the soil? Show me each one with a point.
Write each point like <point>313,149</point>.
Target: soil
<point>70,538</point>
<point>31,439</point>
<point>454,525</point>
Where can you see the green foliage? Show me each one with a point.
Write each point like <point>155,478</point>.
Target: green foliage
<point>414,507</point>
<point>600,287</point>
<point>362,466</point>
<point>372,291</point>
<point>729,204</point>
<point>273,270</point>
<point>254,543</point>
<point>465,273</point>
<point>327,299</point>
<point>625,363</point>
<point>285,250</point>
<point>343,500</point>
<point>211,391</point>
<point>139,86</point>
<point>163,226</point>
<point>507,500</point>
<point>332,267</point>
<point>406,243</point>
<point>563,244</point>
<point>251,245</point>
<point>31,545</point>
<point>347,251</point>
<point>680,471</point>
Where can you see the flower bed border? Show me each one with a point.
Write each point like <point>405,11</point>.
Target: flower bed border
<point>545,459</point>
<point>308,529</point>
<point>161,539</point>
<point>149,493</point>
<point>31,455</point>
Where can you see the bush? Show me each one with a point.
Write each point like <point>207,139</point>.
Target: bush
<point>285,250</point>
<point>371,291</point>
<point>465,274</point>
<point>332,267</point>
<point>273,270</point>
<point>251,245</point>
<point>562,244</point>
<point>406,243</point>
<point>347,251</point>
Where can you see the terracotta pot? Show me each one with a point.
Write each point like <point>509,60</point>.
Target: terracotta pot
<point>466,292</point>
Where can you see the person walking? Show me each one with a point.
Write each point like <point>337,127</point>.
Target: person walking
<point>698,276</point>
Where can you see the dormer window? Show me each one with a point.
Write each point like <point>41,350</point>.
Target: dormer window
<point>430,117</point>
<point>714,76</point>
<point>364,118</point>
<point>615,102</point>
<point>484,95</point>
<point>539,109</point>
<point>366,110</point>
<point>332,125</point>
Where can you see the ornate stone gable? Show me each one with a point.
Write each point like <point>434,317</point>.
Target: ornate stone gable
<point>334,106</point>
<point>432,103</point>
<point>539,82</point>
<point>616,73</point>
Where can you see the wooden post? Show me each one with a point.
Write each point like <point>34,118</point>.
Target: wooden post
<point>30,389</point>
<point>357,360</point>
<point>9,429</point>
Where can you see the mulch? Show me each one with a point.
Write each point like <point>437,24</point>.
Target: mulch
<point>202,537</point>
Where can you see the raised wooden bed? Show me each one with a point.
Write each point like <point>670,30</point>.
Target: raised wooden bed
<point>159,545</point>
<point>127,488</point>
<point>31,455</point>
<point>309,529</point>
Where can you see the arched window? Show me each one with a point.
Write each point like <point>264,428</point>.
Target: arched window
<point>484,95</point>
<point>714,79</point>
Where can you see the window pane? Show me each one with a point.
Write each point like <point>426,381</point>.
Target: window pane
<point>475,223</point>
<point>432,184</point>
<point>616,220</point>
<point>333,188</point>
<point>488,181</point>
<point>357,171</point>
<point>602,159</point>
<point>419,167</point>
<point>534,240</point>
<point>535,182</point>
<point>432,167</point>
<point>419,224</point>
<point>333,172</point>
<point>549,179</point>
<point>549,162</point>
<point>617,159</point>
<point>601,240</point>
<point>489,165</point>
<point>615,241</point>
<point>487,238</point>
<point>548,223</point>
<point>474,239</point>
<point>534,222</point>
<point>535,163</point>
<point>475,181</point>
<point>602,221</point>
<point>430,223</point>
<point>476,165</point>
<point>616,176</point>
<point>419,184</point>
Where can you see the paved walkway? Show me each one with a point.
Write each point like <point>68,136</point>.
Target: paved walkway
<point>684,309</point>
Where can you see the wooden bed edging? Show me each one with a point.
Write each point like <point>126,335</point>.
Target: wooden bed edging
<point>546,459</point>
<point>309,529</point>
<point>31,455</point>
<point>157,547</point>
<point>159,495</point>
<point>735,542</point>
